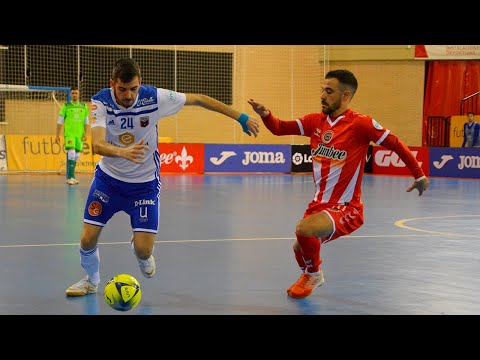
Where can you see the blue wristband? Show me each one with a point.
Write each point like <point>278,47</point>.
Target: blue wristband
<point>243,121</point>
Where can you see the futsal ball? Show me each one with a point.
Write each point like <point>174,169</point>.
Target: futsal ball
<point>122,292</point>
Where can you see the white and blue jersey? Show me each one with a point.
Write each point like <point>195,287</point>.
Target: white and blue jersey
<point>127,126</point>
<point>120,184</point>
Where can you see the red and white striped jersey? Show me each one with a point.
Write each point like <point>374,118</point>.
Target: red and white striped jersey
<point>339,148</point>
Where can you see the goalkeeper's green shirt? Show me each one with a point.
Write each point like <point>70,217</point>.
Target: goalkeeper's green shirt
<point>75,116</point>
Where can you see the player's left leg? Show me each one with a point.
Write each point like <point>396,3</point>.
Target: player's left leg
<point>144,209</point>
<point>70,150</point>
<point>78,151</point>
<point>321,224</point>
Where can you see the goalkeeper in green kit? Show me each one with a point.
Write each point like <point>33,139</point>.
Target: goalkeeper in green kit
<point>74,118</point>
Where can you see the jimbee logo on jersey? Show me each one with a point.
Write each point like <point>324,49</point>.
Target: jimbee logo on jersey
<point>126,138</point>
<point>144,120</point>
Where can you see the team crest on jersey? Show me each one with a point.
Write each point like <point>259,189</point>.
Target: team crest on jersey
<point>376,125</point>
<point>144,121</point>
<point>95,208</point>
<point>327,136</point>
<point>126,138</point>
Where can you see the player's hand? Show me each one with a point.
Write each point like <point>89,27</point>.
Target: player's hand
<point>253,126</point>
<point>260,109</point>
<point>57,139</point>
<point>136,152</point>
<point>421,186</point>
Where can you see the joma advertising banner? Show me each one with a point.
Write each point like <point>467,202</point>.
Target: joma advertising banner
<point>247,158</point>
<point>455,162</point>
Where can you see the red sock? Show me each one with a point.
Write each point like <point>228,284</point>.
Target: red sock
<point>299,258</point>
<point>310,247</point>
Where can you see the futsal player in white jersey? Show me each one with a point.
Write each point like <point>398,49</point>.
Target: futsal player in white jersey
<point>124,126</point>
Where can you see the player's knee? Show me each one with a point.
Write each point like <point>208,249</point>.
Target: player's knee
<point>143,252</point>
<point>71,154</point>
<point>304,228</point>
<point>317,226</point>
<point>88,243</point>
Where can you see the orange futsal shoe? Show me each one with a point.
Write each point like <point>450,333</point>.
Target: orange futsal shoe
<point>305,285</point>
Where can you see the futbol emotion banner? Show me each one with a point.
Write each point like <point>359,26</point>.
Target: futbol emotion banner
<point>41,153</point>
<point>456,130</point>
<point>447,52</point>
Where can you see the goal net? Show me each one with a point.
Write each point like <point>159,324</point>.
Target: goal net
<point>286,78</point>
<point>24,111</point>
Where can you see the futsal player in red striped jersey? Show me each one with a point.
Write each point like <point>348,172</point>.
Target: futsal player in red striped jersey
<point>339,140</point>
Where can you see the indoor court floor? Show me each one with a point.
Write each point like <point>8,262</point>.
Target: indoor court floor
<point>224,247</point>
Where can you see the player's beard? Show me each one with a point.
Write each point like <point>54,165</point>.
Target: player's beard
<point>330,109</point>
<point>127,103</point>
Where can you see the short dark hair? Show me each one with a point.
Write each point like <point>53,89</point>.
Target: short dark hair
<point>470,112</point>
<point>345,78</point>
<point>73,87</point>
<point>125,69</point>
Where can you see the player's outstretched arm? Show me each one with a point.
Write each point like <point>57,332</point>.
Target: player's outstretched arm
<point>272,123</point>
<point>421,185</point>
<point>249,124</point>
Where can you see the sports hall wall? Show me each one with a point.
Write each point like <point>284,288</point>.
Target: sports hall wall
<point>286,78</point>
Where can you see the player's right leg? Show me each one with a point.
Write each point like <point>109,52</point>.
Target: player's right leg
<point>102,203</point>
<point>90,262</point>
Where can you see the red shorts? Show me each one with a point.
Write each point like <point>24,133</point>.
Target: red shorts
<point>346,218</point>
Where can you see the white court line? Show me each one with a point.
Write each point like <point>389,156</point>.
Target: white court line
<point>213,240</point>
<point>401,224</point>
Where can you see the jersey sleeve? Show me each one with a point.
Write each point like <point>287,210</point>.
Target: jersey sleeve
<point>380,136</point>
<point>98,114</point>
<point>281,127</point>
<point>307,124</point>
<point>170,102</point>
<point>63,110</point>
<point>392,142</point>
<point>61,114</point>
<point>86,115</point>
